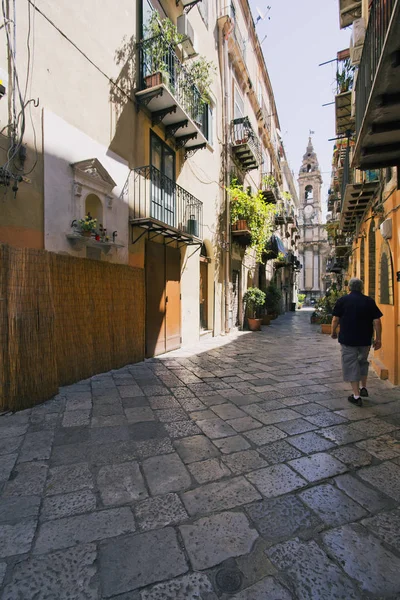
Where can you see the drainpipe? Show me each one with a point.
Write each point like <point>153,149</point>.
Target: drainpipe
<point>225,108</point>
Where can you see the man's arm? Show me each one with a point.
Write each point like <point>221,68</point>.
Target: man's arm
<point>378,334</point>
<point>334,326</point>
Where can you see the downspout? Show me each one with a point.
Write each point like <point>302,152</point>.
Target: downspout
<point>226,248</point>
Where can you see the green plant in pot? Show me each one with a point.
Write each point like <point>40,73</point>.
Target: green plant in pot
<point>269,181</point>
<point>300,300</point>
<point>273,299</point>
<point>345,76</point>
<point>254,299</point>
<point>162,37</point>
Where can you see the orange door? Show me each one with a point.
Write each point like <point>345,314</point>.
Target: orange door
<point>173,298</point>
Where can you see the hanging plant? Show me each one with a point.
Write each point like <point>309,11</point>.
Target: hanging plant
<point>258,214</point>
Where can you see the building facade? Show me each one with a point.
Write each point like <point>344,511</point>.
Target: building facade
<point>364,198</point>
<point>313,244</point>
<point>121,124</point>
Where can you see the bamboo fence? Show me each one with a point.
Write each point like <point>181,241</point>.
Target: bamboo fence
<point>63,319</point>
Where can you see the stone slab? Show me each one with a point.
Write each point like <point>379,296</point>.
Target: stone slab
<point>267,588</point>
<point>139,414</point>
<point>166,473</point>
<point>182,429</point>
<point>228,411</point>
<point>82,529</point>
<point>245,461</point>
<point>219,496</point>
<point>121,484</point>
<point>132,562</point>
<point>196,586</point>
<point>332,505</point>
<point>211,540</point>
<point>244,424</point>
<point>76,418</point>
<point>265,435</point>
<point>195,448</point>
<point>28,480</point>
<point>160,511</point>
<point>384,447</point>
<point>279,451</point>
<point>7,463</point>
<point>232,444</point>
<point>318,466</point>
<point>3,569</point>
<point>370,499</point>
<point>296,426</point>
<point>66,575</point>
<point>215,428</point>
<point>209,470</point>
<point>364,559</point>
<point>326,419</point>
<point>18,508</point>
<point>68,479</point>
<point>276,480</point>
<point>310,442</point>
<point>386,526</point>
<point>67,505</point>
<point>16,538</point>
<point>352,457</point>
<point>315,576</point>
<point>385,477</point>
<point>9,445</point>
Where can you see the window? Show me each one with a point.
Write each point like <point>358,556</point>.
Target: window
<point>386,276</point>
<point>308,168</point>
<point>148,6</point>
<point>208,123</point>
<point>371,260</point>
<point>362,260</point>
<point>309,192</point>
<point>238,110</point>
<point>162,160</point>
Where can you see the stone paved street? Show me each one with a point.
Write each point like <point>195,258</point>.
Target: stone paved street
<point>236,469</point>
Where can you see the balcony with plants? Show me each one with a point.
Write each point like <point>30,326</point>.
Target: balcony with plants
<point>377,91</point>
<point>251,218</point>
<point>162,206</point>
<point>349,11</point>
<point>246,147</point>
<point>269,188</point>
<point>344,82</point>
<point>175,94</point>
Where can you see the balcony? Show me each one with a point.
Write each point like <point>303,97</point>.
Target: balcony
<point>344,78</point>
<point>245,145</point>
<point>163,207</point>
<point>290,218</point>
<point>378,90</point>
<point>269,188</point>
<point>169,94</point>
<point>356,198</point>
<point>349,11</point>
<point>280,216</point>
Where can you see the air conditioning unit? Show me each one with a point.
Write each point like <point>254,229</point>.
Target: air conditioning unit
<point>386,229</point>
<point>185,29</point>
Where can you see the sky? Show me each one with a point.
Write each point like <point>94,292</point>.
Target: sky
<point>301,34</point>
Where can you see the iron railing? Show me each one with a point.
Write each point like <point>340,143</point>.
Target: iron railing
<point>156,55</point>
<point>156,196</point>
<point>375,37</point>
<point>242,133</point>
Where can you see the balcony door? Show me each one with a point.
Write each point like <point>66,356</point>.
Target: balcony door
<point>163,201</point>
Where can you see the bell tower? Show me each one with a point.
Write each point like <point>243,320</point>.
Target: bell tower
<point>313,245</point>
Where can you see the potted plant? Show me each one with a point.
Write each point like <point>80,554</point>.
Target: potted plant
<point>253,298</point>
<point>300,300</point>
<point>345,76</point>
<point>273,300</point>
<point>250,212</point>
<point>87,226</point>
<point>269,181</point>
<point>161,38</point>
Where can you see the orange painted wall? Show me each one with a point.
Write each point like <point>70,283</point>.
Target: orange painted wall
<point>388,357</point>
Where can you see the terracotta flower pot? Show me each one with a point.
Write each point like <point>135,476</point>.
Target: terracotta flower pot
<point>266,320</point>
<point>87,233</point>
<point>240,225</point>
<point>326,328</point>
<point>254,324</point>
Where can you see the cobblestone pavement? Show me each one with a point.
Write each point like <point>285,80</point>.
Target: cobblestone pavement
<point>235,470</point>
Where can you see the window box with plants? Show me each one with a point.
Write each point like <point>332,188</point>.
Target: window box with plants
<point>280,261</point>
<point>249,212</point>
<point>253,300</point>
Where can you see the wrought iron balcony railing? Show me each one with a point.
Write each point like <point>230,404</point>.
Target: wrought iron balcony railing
<point>246,145</point>
<point>157,56</point>
<point>158,197</point>
<point>375,37</point>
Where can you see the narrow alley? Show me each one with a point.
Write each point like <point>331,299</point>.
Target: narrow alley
<point>236,469</point>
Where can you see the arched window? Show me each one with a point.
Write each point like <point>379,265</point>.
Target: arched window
<point>386,276</point>
<point>308,168</point>
<point>309,192</point>
<point>362,260</point>
<point>371,260</point>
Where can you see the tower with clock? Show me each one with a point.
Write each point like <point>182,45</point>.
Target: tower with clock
<point>313,244</point>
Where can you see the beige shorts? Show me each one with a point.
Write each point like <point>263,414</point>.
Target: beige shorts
<point>354,362</point>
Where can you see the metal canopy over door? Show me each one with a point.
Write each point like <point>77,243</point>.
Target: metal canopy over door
<point>163,299</point>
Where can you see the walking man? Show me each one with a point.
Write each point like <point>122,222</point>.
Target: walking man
<point>359,317</point>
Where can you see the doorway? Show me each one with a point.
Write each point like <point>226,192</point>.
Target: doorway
<point>203,288</point>
<point>163,299</point>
